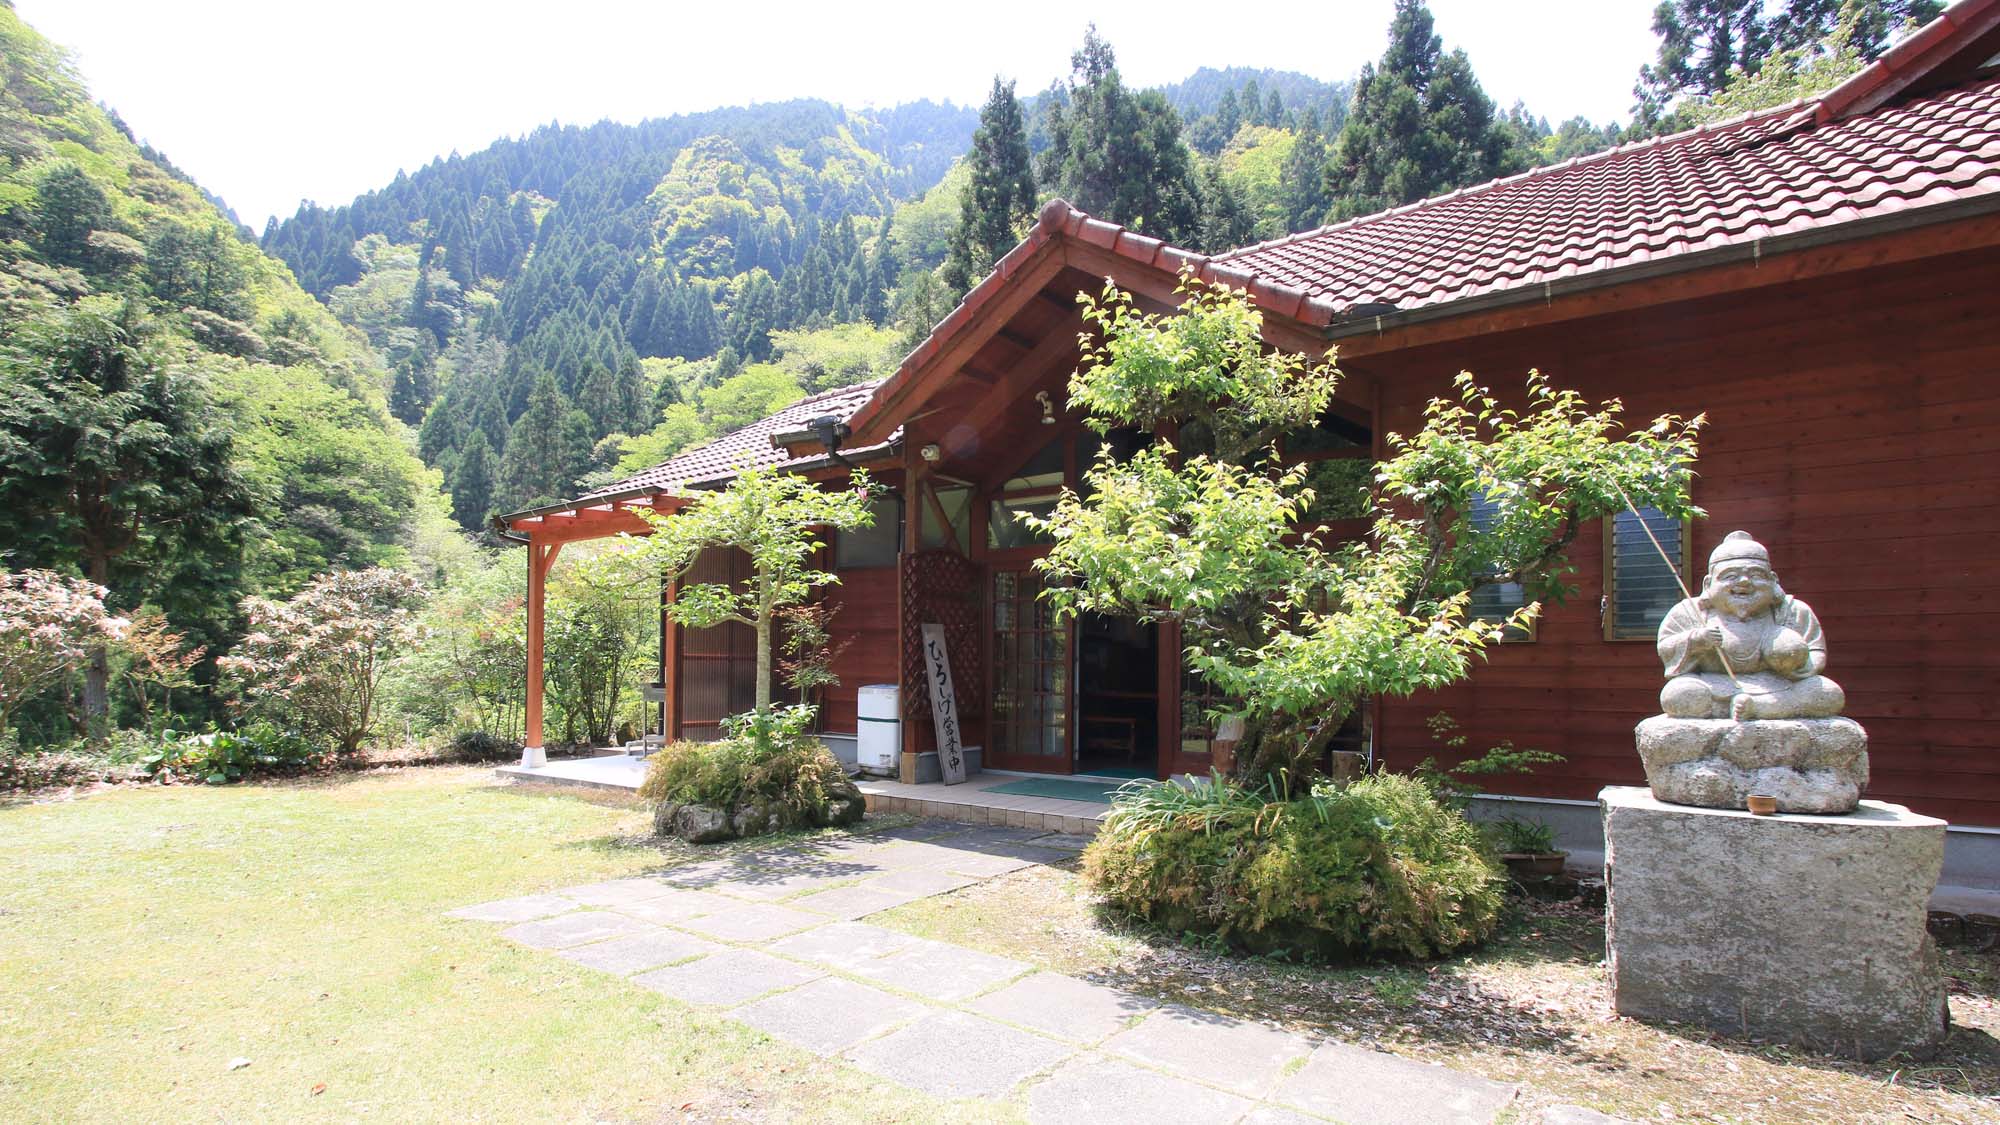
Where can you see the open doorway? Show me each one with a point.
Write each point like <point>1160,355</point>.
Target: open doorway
<point>1118,697</point>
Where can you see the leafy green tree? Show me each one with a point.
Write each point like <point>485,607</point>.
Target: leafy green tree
<point>999,199</point>
<point>68,206</point>
<point>1419,125</point>
<point>1302,182</point>
<point>774,518</point>
<point>1701,42</point>
<point>114,459</point>
<point>1226,219</point>
<point>1117,154</point>
<point>472,484</point>
<point>548,449</point>
<point>1293,630</point>
<point>317,661</point>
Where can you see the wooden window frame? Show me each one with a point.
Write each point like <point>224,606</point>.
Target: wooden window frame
<point>1607,611</point>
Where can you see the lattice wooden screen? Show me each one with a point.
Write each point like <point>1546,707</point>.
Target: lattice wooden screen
<point>945,587</point>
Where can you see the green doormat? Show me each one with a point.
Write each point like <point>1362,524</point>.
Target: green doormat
<point>1060,788</point>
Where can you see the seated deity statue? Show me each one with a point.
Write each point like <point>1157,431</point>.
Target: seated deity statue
<point>1749,709</point>
<point>1743,648</point>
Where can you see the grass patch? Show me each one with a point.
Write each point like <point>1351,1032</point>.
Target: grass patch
<point>153,935</point>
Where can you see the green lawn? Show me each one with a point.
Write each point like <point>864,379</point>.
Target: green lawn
<point>151,936</point>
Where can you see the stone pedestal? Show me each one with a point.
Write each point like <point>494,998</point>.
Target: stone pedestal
<point>1801,929</point>
<point>1809,765</point>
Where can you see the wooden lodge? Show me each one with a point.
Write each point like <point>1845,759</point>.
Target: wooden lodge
<point>1821,279</point>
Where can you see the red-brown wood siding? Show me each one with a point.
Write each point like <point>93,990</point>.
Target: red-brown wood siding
<point>1854,427</point>
<point>864,621</point>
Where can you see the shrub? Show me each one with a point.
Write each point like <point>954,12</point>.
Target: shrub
<point>473,746</point>
<point>766,761</point>
<point>221,757</point>
<point>26,770</point>
<point>318,659</point>
<point>1375,867</point>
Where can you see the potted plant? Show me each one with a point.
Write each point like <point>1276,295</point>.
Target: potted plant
<point>1527,847</point>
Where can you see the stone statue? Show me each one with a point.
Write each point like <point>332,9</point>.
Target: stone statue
<point>1748,709</point>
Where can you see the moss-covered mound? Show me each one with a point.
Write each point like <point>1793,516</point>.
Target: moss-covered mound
<point>753,781</point>
<point>1373,868</point>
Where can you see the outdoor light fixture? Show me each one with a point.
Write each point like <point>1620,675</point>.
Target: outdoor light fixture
<point>1048,408</point>
<point>931,452</point>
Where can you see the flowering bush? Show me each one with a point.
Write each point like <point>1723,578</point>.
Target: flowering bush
<point>318,659</point>
<point>48,625</point>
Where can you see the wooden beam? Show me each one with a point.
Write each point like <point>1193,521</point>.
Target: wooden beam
<point>1280,332</point>
<point>908,394</point>
<point>541,556</point>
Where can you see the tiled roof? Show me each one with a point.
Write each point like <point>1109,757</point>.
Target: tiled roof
<point>1765,175</point>
<point>750,447</point>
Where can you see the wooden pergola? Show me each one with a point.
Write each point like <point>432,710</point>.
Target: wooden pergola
<point>545,531</point>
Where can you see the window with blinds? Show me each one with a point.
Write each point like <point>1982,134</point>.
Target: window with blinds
<point>1639,584</point>
<point>1501,600</point>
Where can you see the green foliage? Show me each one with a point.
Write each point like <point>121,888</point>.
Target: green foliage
<point>220,757</point>
<point>1419,126</point>
<point>317,662</point>
<point>774,518</point>
<point>998,202</point>
<point>766,760</point>
<point>1294,631</point>
<point>1119,154</point>
<point>1711,48</point>
<point>1514,836</point>
<point>1376,868</point>
<point>1452,783</point>
<point>476,746</point>
<point>602,639</point>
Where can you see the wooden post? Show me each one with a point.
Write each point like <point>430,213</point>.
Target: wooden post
<point>540,557</point>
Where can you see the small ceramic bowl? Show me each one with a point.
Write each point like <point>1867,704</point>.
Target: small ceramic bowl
<point>1762,804</point>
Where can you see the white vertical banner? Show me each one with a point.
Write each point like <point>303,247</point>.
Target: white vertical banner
<point>944,705</point>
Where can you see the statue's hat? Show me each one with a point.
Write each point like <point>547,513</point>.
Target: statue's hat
<point>1738,545</point>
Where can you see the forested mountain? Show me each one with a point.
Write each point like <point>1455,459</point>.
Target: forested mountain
<point>179,421</point>
<point>550,292</point>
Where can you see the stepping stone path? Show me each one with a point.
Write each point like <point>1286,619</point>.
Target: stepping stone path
<point>774,939</point>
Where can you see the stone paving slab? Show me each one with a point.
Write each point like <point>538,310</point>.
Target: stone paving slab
<point>959,1055</point>
<point>753,922</point>
<point>984,865</point>
<point>853,902</point>
<point>938,970</point>
<point>920,881</point>
<point>1092,1088</point>
<point>844,945</point>
<point>677,906</point>
<point>618,892</point>
<point>1064,1007</point>
<point>729,978</point>
<point>1245,1057</point>
<point>525,908</point>
<point>1362,1087</point>
<point>565,930</point>
<point>915,854</point>
<point>829,1015</point>
<point>639,952</point>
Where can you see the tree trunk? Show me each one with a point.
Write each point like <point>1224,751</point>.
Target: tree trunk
<point>763,659</point>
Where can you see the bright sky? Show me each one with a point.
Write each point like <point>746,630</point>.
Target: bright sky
<point>267,102</point>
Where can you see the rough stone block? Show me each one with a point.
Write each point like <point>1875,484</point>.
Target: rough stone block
<point>1809,765</point>
<point>1807,930</point>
